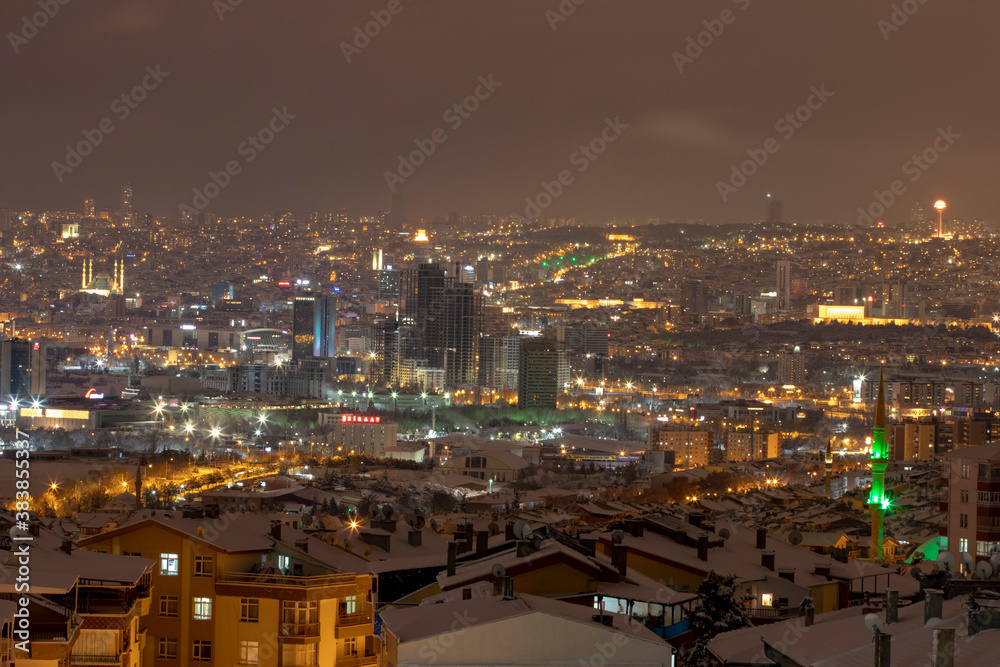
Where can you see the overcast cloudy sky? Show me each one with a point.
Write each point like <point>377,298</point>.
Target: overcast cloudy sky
<point>560,80</point>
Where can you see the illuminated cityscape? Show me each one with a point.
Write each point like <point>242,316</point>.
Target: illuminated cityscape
<point>430,334</point>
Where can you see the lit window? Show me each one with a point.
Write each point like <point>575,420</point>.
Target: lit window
<point>248,653</point>
<point>766,600</point>
<point>203,609</point>
<point>169,564</point>
<point>202,651</point>
<point>351,605</point>
<point>963,545</point>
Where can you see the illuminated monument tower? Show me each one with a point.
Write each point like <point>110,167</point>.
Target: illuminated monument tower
<point>878,501</point>
<point>940,205</point>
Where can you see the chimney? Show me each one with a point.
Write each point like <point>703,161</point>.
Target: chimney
<point>634,527</point>
<point>590,545</point>
<point>508,531</point>
<point>891,606</point>
<point>883,644</point>
<point>302,544</point>
<point>619,558</point>
<point>810,615</point>
<point>703,548</point>
<point>67,545</point>
<point>463,546</point>
<point>943,647</point>
<point>767,560</point>
<point>452,557</point>
<point>762,538</point>
<point>469,534</point>
<point>694,518</point>
<point>466,593</point>
<point>482,543</point>
<point>414,538</point>
<point>276,529</point>
<point>933,601</point>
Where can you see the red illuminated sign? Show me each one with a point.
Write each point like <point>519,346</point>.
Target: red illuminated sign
<point>359,419</point>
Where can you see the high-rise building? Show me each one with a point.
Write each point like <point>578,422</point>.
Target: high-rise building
<point>773,209</point>
<point>538,373</point>
<point>694,297</point>
<point>125,209</point>
<point>89,208</point>
<point>784,284</point>
<point>314,317</point>
<point>397,213</point>
<point>972,513</point>
<point>223,291</point>
<point>499,358</point>
<point>445,316</point>
<point>388,284</point>
<point>791,367</point>
<point>15,368</point>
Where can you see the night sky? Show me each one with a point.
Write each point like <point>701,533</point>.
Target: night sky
<point>891,93</point>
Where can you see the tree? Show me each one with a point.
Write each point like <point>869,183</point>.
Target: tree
<point>719,612</point>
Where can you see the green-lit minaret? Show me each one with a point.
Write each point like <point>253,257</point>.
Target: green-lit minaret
<point>878,501</point>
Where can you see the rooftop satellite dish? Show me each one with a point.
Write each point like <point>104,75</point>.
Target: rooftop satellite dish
<point>795,538</point>
<point>725,534</point>
<point>307,520</point>
<point>968,562</point>
<point>522,530</point>
<point>320,525</point>
<point>874,623</point>
<point>618,537</point>
<point>995,561</point>
<point>499,571</point>
<point>984,570</point>
<point>916,573</point>
<point>946,562</point>
<point>493,529</point>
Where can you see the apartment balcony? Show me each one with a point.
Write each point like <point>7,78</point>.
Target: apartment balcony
<point>299,630</point>
<point>286,586</point>
<point>84,659</point>
<point>354,625</point>
<point>356,661</point>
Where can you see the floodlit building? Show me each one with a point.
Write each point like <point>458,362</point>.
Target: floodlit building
<point>692,447</point>
<point>239,589</point>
